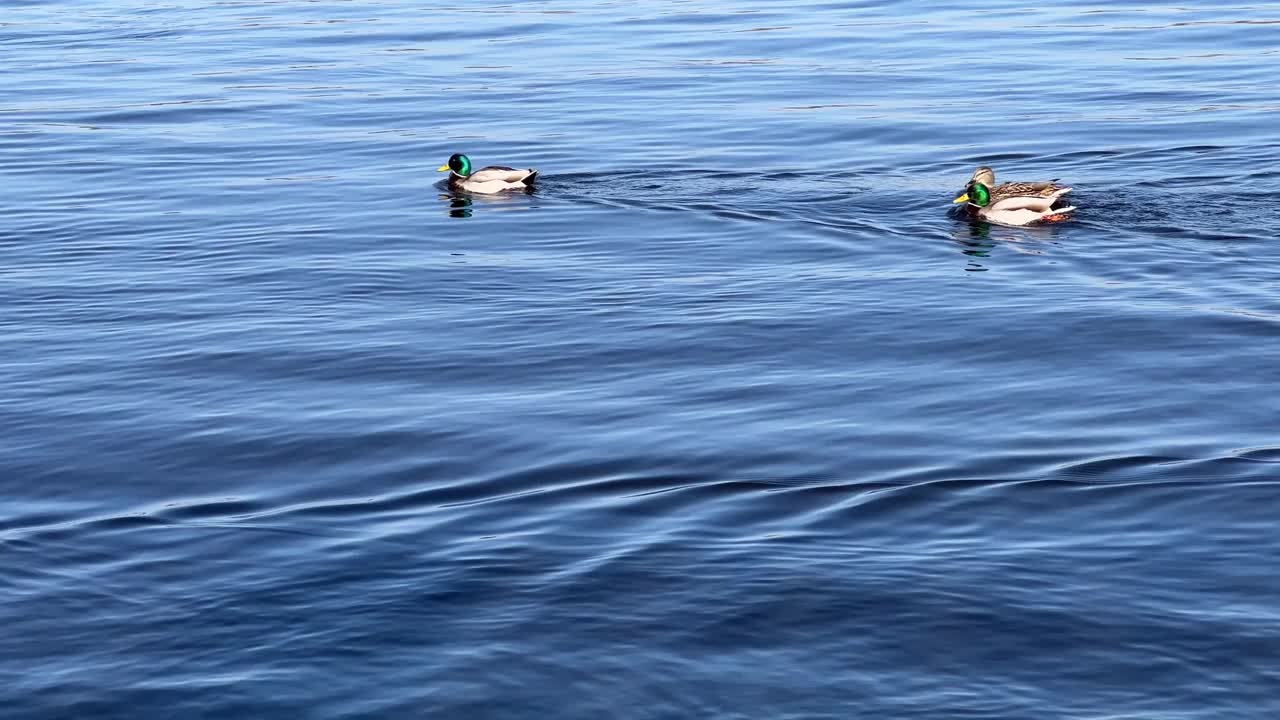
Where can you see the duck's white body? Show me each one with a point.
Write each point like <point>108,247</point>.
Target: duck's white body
<point>493,179</point>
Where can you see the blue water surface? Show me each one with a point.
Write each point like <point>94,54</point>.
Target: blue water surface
<point>732,418</point>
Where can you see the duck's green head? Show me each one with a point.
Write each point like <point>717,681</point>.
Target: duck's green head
<point>976,194</point>
<point>460,164</point>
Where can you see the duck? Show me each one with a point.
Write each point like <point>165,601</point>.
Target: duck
<point>492,179</point>
<point>1013,203</point>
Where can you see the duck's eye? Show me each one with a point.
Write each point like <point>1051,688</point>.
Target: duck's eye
<point>979,194</point>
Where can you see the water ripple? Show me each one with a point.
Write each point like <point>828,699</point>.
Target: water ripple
<point>733,417</point>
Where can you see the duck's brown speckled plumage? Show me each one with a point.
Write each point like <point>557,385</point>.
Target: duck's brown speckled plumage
<point>1024,189</point>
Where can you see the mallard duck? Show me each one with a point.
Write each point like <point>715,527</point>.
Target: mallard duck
<point>1013,203</point>
<point>492,179</point>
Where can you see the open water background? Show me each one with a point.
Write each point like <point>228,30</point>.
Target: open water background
<point>731,419</point>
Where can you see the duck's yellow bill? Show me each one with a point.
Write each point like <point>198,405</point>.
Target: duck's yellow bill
<point>962,199</point>
<point>443,168</point>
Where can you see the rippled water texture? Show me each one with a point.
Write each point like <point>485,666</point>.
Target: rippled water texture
<point>733,418</point>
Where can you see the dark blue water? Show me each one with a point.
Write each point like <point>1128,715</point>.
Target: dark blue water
<point>731,419</point>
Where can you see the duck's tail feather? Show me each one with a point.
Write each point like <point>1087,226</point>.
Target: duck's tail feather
<point>1056,215</point>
